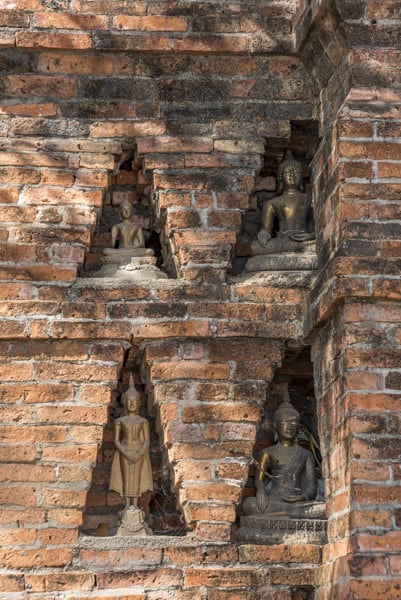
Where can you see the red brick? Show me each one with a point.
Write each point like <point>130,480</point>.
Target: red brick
<point>151,23</point>
<point>9,195</point>
<point>207,451</point>
<point>43,109</point>
<point>75,372</point>
<point>56,195</point>
<point>39,557</point>
<point>123,129</point>
<point>129,558</point>
<point>221,555</point>
<point>171,329</point>
<point>38,273</point>
<point>7,40</point>
<point>18,214</point>
<point>17,537</point>
<point>12,583</point>
<point>149,578</point>
<point>220,412</point>
<point>292,576</point>
<point>96,394</point>
<point>52,536</point>
<point>219,512</point>
<point>371,589</point>
<point>138,43</point>
<point>89,330</point>
<point>83,453</point>
<point>371,518</point>
<point>10,330</point>
<point>192,471</point>
<point>60,497</point>
<point>368,495</point>
<point>72,414</point>
<point>36,393</point>
<point>210,43</point>
<point>375,150</point>
<point>65,516</point>
<point>208,492</point>
<point>50,20</point>
<point>18,495</point>
<point>221,577</point>
<point>33,433</point>
<point>307,553</point>
<point>217,532</point>
<point>53,87</point>
<point>26,473</point>
<point>189,370</point>
<point>65,41</point>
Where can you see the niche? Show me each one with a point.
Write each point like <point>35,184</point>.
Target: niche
<point>103,505</point>
<point>129,182</point>
<point>297,372</point>
<point>303,143</point>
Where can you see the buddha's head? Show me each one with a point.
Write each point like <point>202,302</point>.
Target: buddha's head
<point>290,173</point>
<point>131,399</point>
<point>126,209</point>
<point>286,421</point>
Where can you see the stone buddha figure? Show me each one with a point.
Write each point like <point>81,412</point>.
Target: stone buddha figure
<point>131,471</point>
<point>291,211</point>
<point>127,233</point>
<point>290,470</point>
<point>128,257</point>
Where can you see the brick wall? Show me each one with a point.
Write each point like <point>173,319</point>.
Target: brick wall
<point>196,88</point>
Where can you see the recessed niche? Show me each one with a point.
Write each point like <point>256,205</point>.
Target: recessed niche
<point>103,505</point>
<point>297,372</point>
<point>128,183</point>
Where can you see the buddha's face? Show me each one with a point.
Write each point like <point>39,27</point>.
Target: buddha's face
<point>287,427</point>
<point>292,176</point>
<point>126,210</point>
<point>131,402</point>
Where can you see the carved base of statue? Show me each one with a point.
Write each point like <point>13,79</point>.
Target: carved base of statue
<point>130,263</point>
<point>291,261</point>
<point>283,244</point>
<point>278,508</point>
<point>132,523</point>
<point>264,529</point>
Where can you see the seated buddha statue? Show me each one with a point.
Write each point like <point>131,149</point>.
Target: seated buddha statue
<point>127,234</point>
<point>291,213</point>
<point>128,256</point>
<point>290,470</point>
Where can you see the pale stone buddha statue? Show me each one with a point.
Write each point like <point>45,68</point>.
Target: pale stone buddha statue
<point>128,257</point>
<point>131,471</point>
<point>127,233</point>
<point>292,211</point>
<point>290,470</point>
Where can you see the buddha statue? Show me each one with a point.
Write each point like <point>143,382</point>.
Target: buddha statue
<point>290,470</point>
<point>127,234</point>
<point>131,472</point>
<point>291,212</point>
<point>128,257</point>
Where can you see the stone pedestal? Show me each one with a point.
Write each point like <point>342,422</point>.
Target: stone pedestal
<point>292,261</point>
<point>132,523</point>
<point>260,529</point>
<point>130,263</point>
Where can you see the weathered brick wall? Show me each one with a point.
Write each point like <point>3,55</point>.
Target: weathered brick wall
<point>356,357</point>
<point>196,87</point>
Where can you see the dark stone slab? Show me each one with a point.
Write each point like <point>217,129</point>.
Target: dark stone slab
<point>260,529</point>
<point>281,262</point>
